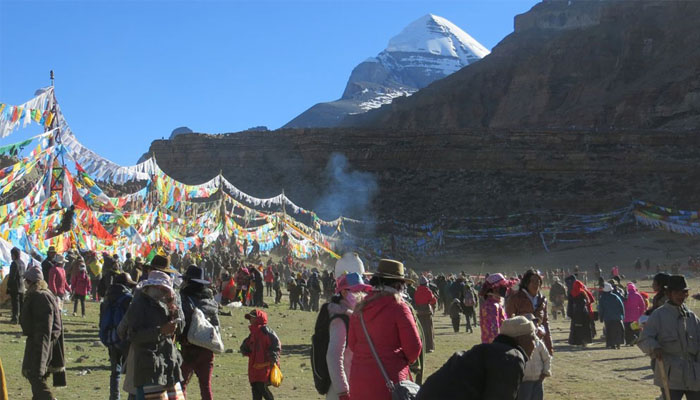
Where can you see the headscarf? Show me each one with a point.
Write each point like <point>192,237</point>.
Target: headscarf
<point>579,288</point>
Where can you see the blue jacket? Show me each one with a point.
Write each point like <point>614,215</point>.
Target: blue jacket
<point>610,307</point>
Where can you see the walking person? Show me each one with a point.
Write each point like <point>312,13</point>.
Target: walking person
<point>537,368</point>
<point>269,279</point>
<point>48,262</point>
<point>580,311</point>
<point>612,312</point>
<point>195,293</point>
<point>262,347</point>
<point>557,296</point>
<point>529,300</point>
<point>151,324</point>
<point>489,371</point>
<point>42,325</point>
<point>58,285</point>
<point>112,311</point>
<point>456,309</point>
<point>491,310</point>
<point>80,282</point>
<point>351,290</point>
<point>277,286</point>
<point>392,328</point>
<point>672,335</point>
<point>425,307</point>
<point>15,284</point>
<point>468,306</point>
<point>634,309</point>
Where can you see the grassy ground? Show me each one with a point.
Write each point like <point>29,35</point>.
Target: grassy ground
<point>593,373</point>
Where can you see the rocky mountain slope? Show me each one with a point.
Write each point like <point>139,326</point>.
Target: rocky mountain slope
<point>572,64</point>
<point>428,49</point>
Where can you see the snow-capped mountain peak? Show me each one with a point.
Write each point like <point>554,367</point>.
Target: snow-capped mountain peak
<point>438,36</point>
<point>428,49</point>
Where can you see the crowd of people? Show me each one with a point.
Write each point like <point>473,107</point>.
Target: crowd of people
<point>372,330</point>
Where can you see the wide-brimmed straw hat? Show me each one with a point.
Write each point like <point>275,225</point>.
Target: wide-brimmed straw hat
<point>391,269</point>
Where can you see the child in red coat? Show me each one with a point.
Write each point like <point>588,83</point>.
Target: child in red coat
<point>262,347</point>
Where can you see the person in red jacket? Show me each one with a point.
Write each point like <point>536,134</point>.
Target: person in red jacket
<point>57,280</point>
<point>262,347</point>
<point>392,329</point>
<point>80,282</point>
<point>269,278</point>
<point>425,302</point>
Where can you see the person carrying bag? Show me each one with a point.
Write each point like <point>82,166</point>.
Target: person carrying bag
<point>404,390</point>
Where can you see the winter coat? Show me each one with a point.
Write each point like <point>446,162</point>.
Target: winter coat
<point>424,300</point>
<point>520,304</point>
<point>456,309</point>
<point>15,282</point>
<point>489,371</point>
<point>57,281</point>
<point>676,330</point>
<point>46,266</point>
<point>610,307</point>
<point>557,294</point>
<point>42,325</point>
<point>269,275</point>
<point>262,347</point>
<point>197,295</point>
<point>539,363</point>
<point>339,355</point>
<point>635,306</point>
<point>393,331</point>
<point>155,357</point>
<point>81,284</point>
<point>491,316</point>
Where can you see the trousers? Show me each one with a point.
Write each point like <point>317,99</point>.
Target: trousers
<point>199,361</point>
<point>261,391</point>
<point>17,300</point>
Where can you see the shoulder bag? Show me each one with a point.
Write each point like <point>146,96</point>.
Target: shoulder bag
<point>202,333</point>
<point>404,390</point>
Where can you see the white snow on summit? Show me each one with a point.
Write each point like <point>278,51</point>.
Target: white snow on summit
<point>437,36</point>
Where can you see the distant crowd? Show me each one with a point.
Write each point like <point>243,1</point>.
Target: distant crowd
<point>160,323</point>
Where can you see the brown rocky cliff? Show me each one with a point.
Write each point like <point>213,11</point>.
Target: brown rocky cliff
<point>423,175</point>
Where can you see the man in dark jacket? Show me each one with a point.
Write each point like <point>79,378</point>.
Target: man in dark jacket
<point>195,293</point>
<point>490,371</point>
<point>42,325</point>
<point>15,284</point>
<point>116,303</point>
<point>47,264</point>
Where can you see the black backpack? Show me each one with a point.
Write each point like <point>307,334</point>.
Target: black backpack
<point>319,346</point>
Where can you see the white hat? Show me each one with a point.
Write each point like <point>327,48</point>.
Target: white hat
<point>517,326</point>
<point>349,263</point>
<point>157,278</point>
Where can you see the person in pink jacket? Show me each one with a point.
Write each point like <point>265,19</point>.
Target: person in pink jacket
<point>58,285</point>
<point>392,329</point>
<point>635,306</point>
<point>80,282</point>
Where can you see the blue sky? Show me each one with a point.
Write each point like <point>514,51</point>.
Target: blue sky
<point>129,72</point>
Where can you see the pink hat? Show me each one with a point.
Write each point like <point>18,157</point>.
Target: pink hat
<point>495,279</point>
<point>352,282</point>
